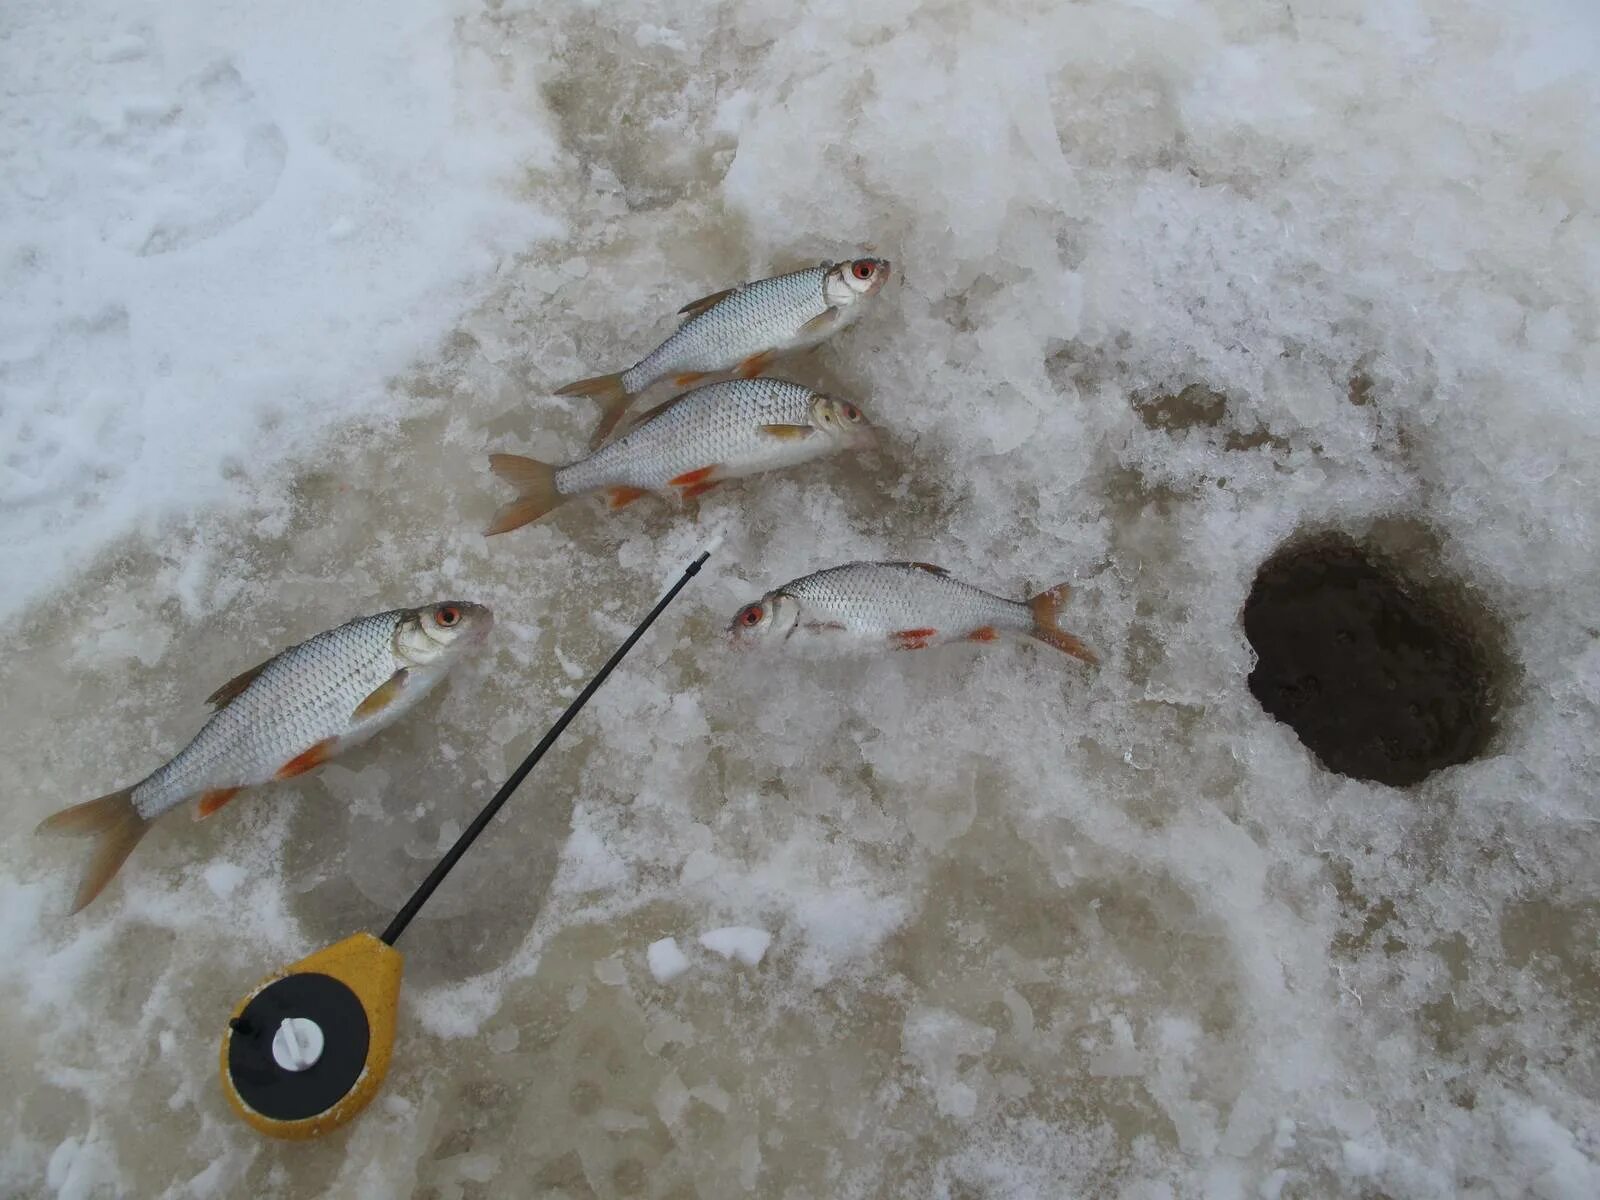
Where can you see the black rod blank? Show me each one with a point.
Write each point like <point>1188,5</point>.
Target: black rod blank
<point>453,855</point>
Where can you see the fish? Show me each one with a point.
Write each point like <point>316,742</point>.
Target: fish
<point>900,606</point>
<point>741,329</point>
<point>281,719</point>
<point>691,444</point>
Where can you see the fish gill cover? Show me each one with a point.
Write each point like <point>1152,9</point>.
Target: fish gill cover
<point>276,277</point>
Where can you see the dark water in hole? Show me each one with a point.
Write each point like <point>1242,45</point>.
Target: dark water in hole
<point>1379,682</point>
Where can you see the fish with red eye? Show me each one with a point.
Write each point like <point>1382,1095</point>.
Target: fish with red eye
<point>741,330</point>
<point>714,433</point>
<point>278,720</point>
<point>899,606</point>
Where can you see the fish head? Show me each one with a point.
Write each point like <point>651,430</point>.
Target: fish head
<point>847,282</point>
<point>435,635</point>
<point>844,422</point>
<point>770,619</point>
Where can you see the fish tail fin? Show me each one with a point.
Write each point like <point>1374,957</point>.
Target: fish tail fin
<point>115,825</point>
<point>1046,607</point>
<point>536,491</point>
<point>608,392</point>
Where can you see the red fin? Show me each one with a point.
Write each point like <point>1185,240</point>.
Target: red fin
<point>213,800</point>
<point>621,497</point>
<point>690,478</point>
<point>913,639</point>
<point>984,633</point>
<point>309,761</point>
<point>755,364</point>
<point>699,489</point>
<point>928,567</point>
<point>688,378</point>
<point>1046,608</point>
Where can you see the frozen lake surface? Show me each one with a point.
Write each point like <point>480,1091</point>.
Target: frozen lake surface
<point>1175,284</point>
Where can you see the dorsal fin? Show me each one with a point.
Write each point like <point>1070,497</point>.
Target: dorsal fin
<point>231,690</point>
<point>695,307</point>
<point>647,415</point>
<point>928,567</point>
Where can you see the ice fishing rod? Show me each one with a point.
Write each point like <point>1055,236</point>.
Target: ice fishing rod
<point>308,1048</point>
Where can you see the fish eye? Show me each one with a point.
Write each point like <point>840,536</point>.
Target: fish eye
<point>863,268</point>
<point>447,616</point>
<point>750,616</point>
<point>851,412</point>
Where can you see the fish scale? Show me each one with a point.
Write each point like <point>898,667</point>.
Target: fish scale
<point>713,433</point>
<point>278,720</point>
<point>885,598</point>
<point>716,425</point>
<point>758,316</point>
<point>900,605</point>
<point>303,696</point>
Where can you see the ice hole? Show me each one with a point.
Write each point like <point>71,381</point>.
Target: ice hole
<point>1379,677</point>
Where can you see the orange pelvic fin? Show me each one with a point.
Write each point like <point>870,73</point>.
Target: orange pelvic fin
<point>310,760</point>
<point>210,801</point>
<point>699,489</point>
<point>913,639</point>
<point>621,497</point>
<point>688,378</point>
<point>690,478</point>
<point>755,364</point>
<point>984,633</point>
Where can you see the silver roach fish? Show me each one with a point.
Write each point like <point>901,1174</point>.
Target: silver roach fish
<point>282,719</point>
<point>691,444</point>
<point>741,329</point>
<point>899,605</point>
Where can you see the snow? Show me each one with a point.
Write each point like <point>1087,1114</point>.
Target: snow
<point>747,945</point>
<point>666,961</point>
<point>277,277</point>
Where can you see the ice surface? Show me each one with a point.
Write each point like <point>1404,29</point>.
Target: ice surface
<point>1174,282</point>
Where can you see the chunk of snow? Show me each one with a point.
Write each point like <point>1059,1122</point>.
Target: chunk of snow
<point>666,961</point>
<point>743,942</point>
